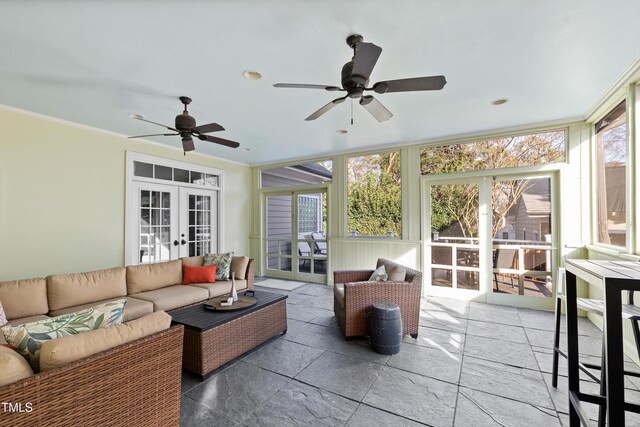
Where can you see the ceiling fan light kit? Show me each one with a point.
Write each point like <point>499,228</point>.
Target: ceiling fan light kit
<point>355,77</point>
<point>185,127</point>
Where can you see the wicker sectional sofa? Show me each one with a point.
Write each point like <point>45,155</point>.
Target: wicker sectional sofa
<point>137,383</point>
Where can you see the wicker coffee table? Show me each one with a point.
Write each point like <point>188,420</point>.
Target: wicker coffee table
<point>213,338</point>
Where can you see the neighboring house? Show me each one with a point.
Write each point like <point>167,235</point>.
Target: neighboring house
<point>616,207</point>
<point>531,216</point>
<point>279,207</point>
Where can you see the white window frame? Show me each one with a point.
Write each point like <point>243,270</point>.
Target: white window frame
<point>632,161</point>
<point>130,226</point>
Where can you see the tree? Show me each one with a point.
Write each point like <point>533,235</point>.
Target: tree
<point>456,205</point>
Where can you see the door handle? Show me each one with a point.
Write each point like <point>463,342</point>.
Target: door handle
<point>176,243</point>
<point>182,242</point>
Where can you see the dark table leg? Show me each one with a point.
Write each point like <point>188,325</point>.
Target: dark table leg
<point>572,345</point>
<point>614,364</point>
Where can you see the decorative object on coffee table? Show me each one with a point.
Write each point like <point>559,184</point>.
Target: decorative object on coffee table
<point>244,301</point>
<point>385,328</point>
<point>234,293</point>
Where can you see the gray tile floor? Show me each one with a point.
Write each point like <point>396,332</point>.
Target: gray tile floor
<point>473,365</point>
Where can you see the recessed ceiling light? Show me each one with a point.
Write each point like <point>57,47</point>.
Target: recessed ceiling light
<point>342,131</point>
<point>247,149</point>
<point>499,101</point>
<point>251,75</point>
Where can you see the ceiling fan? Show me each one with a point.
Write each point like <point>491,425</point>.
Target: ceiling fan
<point>355,77</point>
<point>185,126</point>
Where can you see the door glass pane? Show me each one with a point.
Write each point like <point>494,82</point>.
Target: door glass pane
<point>521,226</point>
<point>455,240</point>
<point>154,241</point>
<point>312,241</point>
<point>199,225</point>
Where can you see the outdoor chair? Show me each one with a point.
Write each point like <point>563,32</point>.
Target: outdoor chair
<point>629,311</point>
<point>304,249</point>
<point>504,258</point>
<point>353,296</point>
<point>320,243</point>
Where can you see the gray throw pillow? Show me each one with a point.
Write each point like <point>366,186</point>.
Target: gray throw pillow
<point>397,274</point>
<point>380,275</point>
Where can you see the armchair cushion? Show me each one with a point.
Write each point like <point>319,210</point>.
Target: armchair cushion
<point>338,292</point>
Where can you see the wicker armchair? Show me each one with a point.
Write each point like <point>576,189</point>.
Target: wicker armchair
<point>353,296</point>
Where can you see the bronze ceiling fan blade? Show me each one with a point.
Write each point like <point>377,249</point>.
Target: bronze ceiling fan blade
<point>154,134</point>
<point>375,108</point>
<point>210,127</point>
<point>139,117</point>
<point>410,85</point>
<point>221,141</point>
<point>325,108</point>
<point>307,86</point>
<point>367,55</point>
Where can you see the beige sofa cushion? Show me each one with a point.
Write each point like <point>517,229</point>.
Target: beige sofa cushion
<point>239,266</point>
<point>70,290</point>
<point>133,309</point>
<point>65,350</point>
<point>22,298</point>
<point>173,297</point>
<point>147,277</point>
<point>193,261</point>
<point>338,291</point>
<point>28,319</point>
<point>221,287</point>
<point>13,367</point>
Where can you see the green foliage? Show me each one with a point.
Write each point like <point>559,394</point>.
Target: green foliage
<point>374,195</point>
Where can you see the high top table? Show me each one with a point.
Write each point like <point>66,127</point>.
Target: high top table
<point>612,277</point>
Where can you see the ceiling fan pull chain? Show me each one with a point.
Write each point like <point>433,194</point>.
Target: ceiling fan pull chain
<point>351,111</point>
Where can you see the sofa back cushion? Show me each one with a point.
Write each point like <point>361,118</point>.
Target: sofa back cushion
<point>148,277</point>
<point>193,261</point>
<point>239,266</point>
<point>66,350</point>
<point>23,298</point>
<point>68,290</point>
<point>13,367</point>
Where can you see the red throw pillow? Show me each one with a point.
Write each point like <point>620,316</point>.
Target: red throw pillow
<point>198,274</point>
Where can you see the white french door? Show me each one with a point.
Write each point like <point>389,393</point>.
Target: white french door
<point>295,235</point>
<point>170,222</point>
<point>491,238</point>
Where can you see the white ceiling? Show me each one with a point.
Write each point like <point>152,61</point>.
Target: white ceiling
<point>95,62</point>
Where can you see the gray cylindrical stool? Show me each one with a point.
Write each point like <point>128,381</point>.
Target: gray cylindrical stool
<point>385,328</point>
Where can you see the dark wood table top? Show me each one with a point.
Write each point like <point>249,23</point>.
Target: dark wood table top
<point>198,318</point>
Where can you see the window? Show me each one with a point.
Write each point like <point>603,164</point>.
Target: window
<point>611,177</point>
<point>373,195</point>
<point>508,152</point>
<point>309,213</point>
<point>167,173</point>
<point>303,174</point>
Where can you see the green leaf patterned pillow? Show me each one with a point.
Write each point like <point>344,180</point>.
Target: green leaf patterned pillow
<point>222,263</point>
<point>28,338</point>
